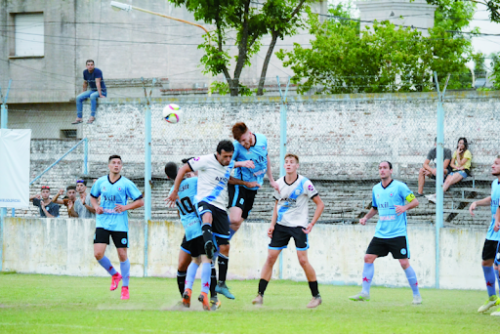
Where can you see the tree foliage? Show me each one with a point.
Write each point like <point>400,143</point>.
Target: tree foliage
<point>492,6</point>
<point>249,21</point>
<point>345,58</point>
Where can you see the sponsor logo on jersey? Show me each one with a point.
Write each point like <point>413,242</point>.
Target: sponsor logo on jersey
<point>310,187</point>
<point>390,194</point>
<point>384,205</point>
<point>196,159</point>
<point>221,179</point>
<point>288,202</point>
<point>297,192</point>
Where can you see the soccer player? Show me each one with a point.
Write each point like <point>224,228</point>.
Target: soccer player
<point>192,243</point>
<point>289,220</point>
<point>112,219</point>
<point>388,199</point>
<point>496,228</point>
<point>492,240</point>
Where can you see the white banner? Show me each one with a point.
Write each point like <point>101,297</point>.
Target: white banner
<point>14,168</point>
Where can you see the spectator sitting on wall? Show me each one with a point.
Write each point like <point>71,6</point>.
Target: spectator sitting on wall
<point>48,209</point>
<point>92,77</point>
<point>461,162</point>
<point>430,172</point>
<point>68,200</point>
<point>83,206</point>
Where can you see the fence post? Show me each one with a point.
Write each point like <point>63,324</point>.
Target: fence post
<point>439,174</point>
<point>86,157</point>
<point>3,125</point>
<point>283,139</point>
<point>147,174</point>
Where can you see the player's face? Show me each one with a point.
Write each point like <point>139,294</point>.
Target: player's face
<point>224,157</point>
<point>246,140</point>
<point>45,193</point>
<point>291,165</point>
<point>80,187</point>
<point>115,166</point>
<point>384,170</point>
<point>495,168</point>
<point>71,194</point>
<point>90,66</point>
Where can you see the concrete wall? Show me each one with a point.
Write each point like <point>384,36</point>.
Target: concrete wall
<point>64,247</point>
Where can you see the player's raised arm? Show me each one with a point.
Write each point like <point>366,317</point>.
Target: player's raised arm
<point>269,173</point>
<point>180,176</point>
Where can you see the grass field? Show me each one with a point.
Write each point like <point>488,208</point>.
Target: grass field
<point>62,304</point>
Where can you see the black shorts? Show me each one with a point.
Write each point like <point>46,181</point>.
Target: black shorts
<point>220,221</point>
<point>398,247</point>
<point>194,247</point>
<point>497,256</point>
<point>282,235</point>
<point>490,249</point>
<point>120,239</point>
<point>242,198</point>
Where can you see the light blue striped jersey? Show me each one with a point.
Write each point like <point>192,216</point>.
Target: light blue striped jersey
<point>186,205</point>
<point>391,225</point>
<point>258,154</point>
<point>292,201</point>
<point>112,194</point>
<point>495,201</point>
<point>212,180</point>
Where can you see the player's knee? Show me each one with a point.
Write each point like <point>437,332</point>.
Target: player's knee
<point>405,263</point>
<point>224,249</point>
<point>487,263</point>
<point>369,258</point>
<point>98,255</point>
<point>271,259</point>
<point>303,261</point>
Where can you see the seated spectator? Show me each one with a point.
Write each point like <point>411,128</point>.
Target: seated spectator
<point>461,162</point>
<point>83,207</point>
<point>48,209</point>
<point>68,200</point>
<point>428,171</point>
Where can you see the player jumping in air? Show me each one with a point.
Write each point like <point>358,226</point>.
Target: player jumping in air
<point>289,220</point>
<point>388,199</point>
<point>112,219</point>
<point>192,243</point>
<point>250,149</point>
<point>492,240</point>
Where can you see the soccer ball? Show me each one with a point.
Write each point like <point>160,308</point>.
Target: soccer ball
<point>172,113</point>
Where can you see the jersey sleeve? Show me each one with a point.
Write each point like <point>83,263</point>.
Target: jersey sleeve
<point>310,189</point>
<point>96,189</point>
<point>198,163</point>
<point>98,74</point>
<point>406,193</point>
<point>374,200</point>
<point>276,194</point>
<point>132,191</point>
<point>237,148</point>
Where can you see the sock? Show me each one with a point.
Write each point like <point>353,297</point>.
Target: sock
<point>223,263</point>
<point>206,270</point>
<point>314,288</point>
<point>207,232</point>
<point>181,280</point>
<point>368,271</point>
<point>231,233</point>
<point>262,286</point>
<point>489,277</point>
<point>125,269</point>
<point>190,275</point>
<point>213,282</point>
<point>412,279</point>
<point>498,280</point>
<point>106,264</point>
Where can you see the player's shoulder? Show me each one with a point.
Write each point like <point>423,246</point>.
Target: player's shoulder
<point>102,179</point>
<point>494,183</point>
<point>281,180</point>
<point>260,138</point>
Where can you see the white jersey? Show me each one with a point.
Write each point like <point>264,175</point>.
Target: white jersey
<point>292,201</point>
<point>212,180</point>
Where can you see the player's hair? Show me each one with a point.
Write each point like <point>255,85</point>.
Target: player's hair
<point>239,130</point>
<point>72,187</point>
<point>114,156</point>
<point>225,145</point>
<point>171,170</point>
<point>291,155</point>
<point>184,161</point>
<point>89,61</point>
<point>388,162</point>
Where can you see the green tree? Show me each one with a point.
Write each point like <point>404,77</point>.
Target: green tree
<point>495,66</point>
<point>492,6</point>
<point>250,20</point>
<point>385,58</point>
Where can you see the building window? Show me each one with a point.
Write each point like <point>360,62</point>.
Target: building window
<point>29,34</point>
<point>68,134</point>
